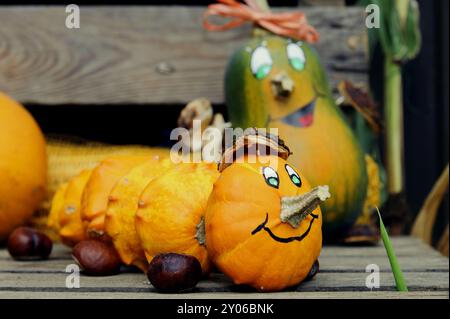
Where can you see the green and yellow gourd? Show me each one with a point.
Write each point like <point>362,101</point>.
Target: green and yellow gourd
<point>276,82</point>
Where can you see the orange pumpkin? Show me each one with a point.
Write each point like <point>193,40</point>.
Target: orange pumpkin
<point>263,222</point>
<point>23,165</point>
<point>170,218</point>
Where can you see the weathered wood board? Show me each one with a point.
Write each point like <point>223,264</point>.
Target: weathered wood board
<point>152,55</point>
<point>342,275</point>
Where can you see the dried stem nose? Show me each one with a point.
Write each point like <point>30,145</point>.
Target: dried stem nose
<point>294,209</point>
<point>282,85</point>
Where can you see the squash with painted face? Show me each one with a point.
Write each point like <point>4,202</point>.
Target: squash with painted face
<point>263,222</point>
<point>279,83</point>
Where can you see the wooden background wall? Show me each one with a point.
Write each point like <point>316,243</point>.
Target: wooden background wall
<point>110,89</point>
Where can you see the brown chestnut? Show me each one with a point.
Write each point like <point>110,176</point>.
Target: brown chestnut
<point>96,258</point>
<point>174,272</point>
<point>26,243</point>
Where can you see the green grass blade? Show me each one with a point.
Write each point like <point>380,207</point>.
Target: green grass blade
<point>395,267</point>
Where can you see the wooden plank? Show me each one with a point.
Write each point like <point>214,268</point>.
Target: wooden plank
<point>59,251</point>
<point>358,264</point>
<point>410,248</point>
<point>336,259</point>
<point>327,264</point>
<point>404,245</point>
<point>416,281</point>
<point>342,275</point>
<point>230,295</point>
<point>116,54</point>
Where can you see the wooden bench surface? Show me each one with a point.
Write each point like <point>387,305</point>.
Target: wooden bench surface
<point>342,275</point>
<point>146,55</point>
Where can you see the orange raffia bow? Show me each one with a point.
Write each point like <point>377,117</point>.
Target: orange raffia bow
<point>288,24</point>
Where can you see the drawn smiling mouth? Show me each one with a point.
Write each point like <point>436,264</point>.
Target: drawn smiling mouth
<point>282,239</point>
<point>302,117</point>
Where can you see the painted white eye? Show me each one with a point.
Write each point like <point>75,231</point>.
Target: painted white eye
<point>296,56</point>
<point>271,177</point>
<point>293,175</point>
<point>261,62</point>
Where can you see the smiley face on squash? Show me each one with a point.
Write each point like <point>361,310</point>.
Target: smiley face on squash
<point>272,178</point>
<point>263,223</point>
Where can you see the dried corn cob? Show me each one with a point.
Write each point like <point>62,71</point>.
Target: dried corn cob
<point>67,159</point>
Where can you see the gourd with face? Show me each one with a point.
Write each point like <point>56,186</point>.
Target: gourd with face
<point>276,82</point>
<point>263,223</point>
